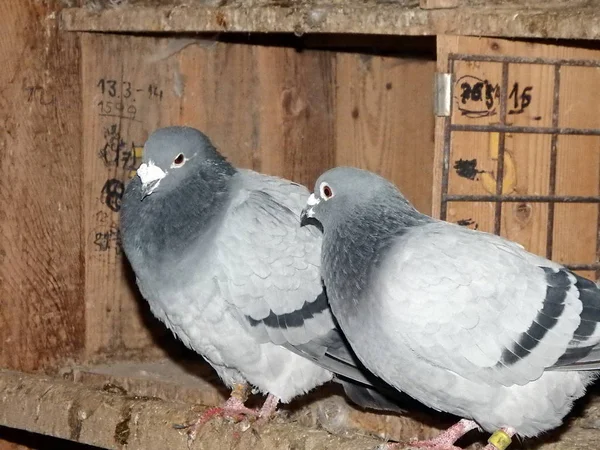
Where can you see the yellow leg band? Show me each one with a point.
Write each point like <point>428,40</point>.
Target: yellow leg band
<point>500,439</point>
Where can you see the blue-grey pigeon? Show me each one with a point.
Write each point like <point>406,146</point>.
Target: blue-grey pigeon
<point>221,258</point>
<point>464,321</point>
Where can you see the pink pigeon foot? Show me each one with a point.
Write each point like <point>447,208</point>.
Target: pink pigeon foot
<point>233,408</point>
<point>268,409</point>
<point>444,441</point>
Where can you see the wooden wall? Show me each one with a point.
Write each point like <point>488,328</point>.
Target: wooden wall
<point>554,91</point>
<point>272,109</point>
<point>75,111</point>
<point>41,259</point>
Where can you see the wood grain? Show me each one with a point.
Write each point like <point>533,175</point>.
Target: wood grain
<point>296,111</point>
<point>272,109</point>
<point>578,173</point>
<point>531,97</point>
<point>527,223</point>
<point>127,92</point>
<point>569,19</point>
<point>218,96</point>
<point>41,303</point>
<point>384,120</point>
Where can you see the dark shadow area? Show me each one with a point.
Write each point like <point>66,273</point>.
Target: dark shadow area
<point>416,47</point>
<point>24,439</point>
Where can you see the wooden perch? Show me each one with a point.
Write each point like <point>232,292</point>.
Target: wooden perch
<point>109,407</point>
<point>73,411</point>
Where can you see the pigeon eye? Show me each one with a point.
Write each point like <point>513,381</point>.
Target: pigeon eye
<point>326,191</point>
<point>179,160</point>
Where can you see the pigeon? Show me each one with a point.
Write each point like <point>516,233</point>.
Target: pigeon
<point>220,257</point>
<point>465,322</point>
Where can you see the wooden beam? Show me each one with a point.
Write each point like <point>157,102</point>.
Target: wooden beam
<point>133,405</point>
<point>41,304</point>
<point>110,419</point>
<point>524,18</point>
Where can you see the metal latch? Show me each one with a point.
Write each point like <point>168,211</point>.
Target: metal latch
<point>442,94</point>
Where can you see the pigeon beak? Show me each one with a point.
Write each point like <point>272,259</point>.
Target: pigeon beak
<point>308,212</point>
<point>304,217</point>
<point>149,188</point>
<point>150,175</point>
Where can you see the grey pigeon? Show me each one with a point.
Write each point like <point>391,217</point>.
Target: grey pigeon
<point>463,321</point>
<point>220,257</point>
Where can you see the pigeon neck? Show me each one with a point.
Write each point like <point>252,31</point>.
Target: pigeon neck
<point>355,247</point>
<point>179,219</point>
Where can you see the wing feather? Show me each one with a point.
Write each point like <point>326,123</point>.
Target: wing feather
<point>483,307</point>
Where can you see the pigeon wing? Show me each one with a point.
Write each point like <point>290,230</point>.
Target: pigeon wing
<point>483,307</point>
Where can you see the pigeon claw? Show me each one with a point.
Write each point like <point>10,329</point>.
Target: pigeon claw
<point>444,441</point>
<point>232,409</point>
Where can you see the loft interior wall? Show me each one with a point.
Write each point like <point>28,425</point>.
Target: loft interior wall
<point>270,108</point>
<point>41,260</point>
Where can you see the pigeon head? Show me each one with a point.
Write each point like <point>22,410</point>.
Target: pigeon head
<point>171,154</point>
<point>343,192</point>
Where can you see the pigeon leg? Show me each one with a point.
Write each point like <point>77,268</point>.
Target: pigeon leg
<point>444,441</point>
<point>233,408</point>
<point>500,439</point>
<point>268,409</point>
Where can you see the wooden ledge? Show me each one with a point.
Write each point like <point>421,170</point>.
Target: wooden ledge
<point>516,18</point>
<point>111,419</point>
<point>134,405</point>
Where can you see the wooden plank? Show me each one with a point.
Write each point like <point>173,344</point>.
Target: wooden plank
<point>522,222</point>
<point>438,4</point>
<point>384,120</point>
<point>41,308</point>
<point>578,173</point>
<point>295,106</point>
<point>195,382</point>
<point>122,412</point>
<point>265,108</point>
<point>126,94</point>
<point>566,232</point>
<point>474,215</point>
<point>217,84</point>
<point>112,419</point>
<point>520,18</point>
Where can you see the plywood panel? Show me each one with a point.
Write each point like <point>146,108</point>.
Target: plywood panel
<point>575,233</point>
<point>476,94</point>
<point>527,162</point>
<point>216,90</point>
<point>41,307</point>
<point>267,108</point>
<point>474,215</point>
<point>271,109</point>
<point>534,164</point>
<point>473,162</point>
<point>384,121</point>
<point>296,113</point>
<point>579,91</point>
<point>578,173</point>
<point>126,94</point>
<point>578,165</point>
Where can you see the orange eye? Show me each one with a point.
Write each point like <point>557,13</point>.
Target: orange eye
<point>179,160</point>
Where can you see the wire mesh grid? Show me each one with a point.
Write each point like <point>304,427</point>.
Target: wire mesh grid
<point>502,128</point>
